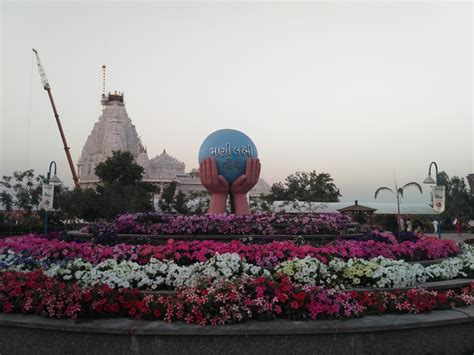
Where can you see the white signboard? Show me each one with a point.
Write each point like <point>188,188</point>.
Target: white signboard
<point>48,195</point>
<point>439,198</point>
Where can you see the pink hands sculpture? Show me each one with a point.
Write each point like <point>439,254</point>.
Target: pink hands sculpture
<point>218,186</point>
<point>243,185</point>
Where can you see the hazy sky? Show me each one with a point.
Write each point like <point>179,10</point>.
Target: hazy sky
<point>361,90</point>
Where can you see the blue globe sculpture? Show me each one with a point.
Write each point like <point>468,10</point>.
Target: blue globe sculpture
<point>230,148</point>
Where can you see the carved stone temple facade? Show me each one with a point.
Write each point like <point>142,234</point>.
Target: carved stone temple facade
<point>470,180</point>
<point>115,131</point>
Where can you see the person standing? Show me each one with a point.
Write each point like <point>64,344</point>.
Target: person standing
<point>409,226</point>
<point>435,226</point>
<point>459,226</point>
<point>401,224</point>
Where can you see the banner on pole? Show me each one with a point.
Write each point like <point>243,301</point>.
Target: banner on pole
<point>439,198</point>
<point>48,196</point>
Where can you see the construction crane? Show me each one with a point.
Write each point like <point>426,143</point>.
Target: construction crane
<point>45,83</point>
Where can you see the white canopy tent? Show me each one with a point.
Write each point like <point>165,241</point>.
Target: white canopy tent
<point>332,207</point>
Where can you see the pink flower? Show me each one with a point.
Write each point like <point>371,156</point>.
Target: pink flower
<point>295,305</point>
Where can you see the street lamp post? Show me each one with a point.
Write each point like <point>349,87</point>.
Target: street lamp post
<point>54,181</point>
<point>429,180</point>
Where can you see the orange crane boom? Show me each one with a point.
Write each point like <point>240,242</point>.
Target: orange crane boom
<point>45,83</point>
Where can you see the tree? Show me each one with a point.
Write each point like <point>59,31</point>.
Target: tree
<point>120,168</point>
<point>80,203</point>
<point>308,187</point>
<point>180,203</point>
<point>259,204</point>
<point>171,201</point>
<point>399,191</point>
<point>21,191</point>
<point>167,197</point>
<point>459,202</point>
<point>198,202</point>
<point>120,190</point>
<point>116,198</point>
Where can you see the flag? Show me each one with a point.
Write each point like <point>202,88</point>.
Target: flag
<point>439,198</point>
<point>48,196</point>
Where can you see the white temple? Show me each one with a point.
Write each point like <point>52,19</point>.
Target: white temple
<point>470,180</point>
<point>115,131</point>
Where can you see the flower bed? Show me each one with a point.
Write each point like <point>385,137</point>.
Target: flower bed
<point>266,255</point>
<point>225,302</point>
<point>378,272</point>
<point>257,224</point>
<point>224,282</point>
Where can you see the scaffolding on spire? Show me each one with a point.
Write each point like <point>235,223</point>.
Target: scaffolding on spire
<point>103,80</point>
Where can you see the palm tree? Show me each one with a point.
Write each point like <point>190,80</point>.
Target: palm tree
<point>399,191</point>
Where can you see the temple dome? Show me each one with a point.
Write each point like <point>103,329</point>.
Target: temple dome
<point>166,166</point>
<point>262,187</point>
<point>114,131</point>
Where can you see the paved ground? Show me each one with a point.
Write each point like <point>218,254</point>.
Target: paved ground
<point>454,236</point>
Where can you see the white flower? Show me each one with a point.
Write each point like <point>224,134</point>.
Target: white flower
<point>379,272</point>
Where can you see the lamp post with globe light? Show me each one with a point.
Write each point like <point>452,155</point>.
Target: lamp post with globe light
<point>48,192</point>
<point>429,180</point>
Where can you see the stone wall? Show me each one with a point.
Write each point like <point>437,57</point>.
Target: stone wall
<point>439,332</point>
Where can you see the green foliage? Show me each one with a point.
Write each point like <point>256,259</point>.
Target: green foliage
<point>180,203</point>
<point>175,202</point>
<point>308,187</point>
<point>167,197</point>
<point>21,191</point>
<point>116,198</point>
<point>259,204</point>
<point>7,200</point>
<point>387,221</point>
<point>16,223</point>
<point>120,190</point>
<point>459,201</point>
<point>80,203</point>
<point>199,201</point>
<point>120,168</point>
<point>21,197</point>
